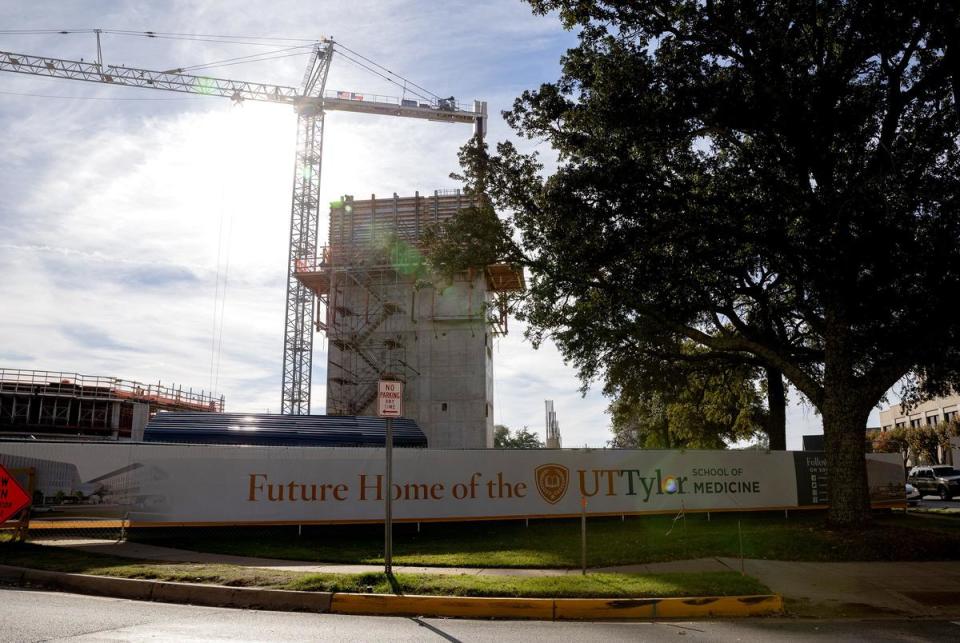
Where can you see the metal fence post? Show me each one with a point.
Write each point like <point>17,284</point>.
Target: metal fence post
<point>583,536</point>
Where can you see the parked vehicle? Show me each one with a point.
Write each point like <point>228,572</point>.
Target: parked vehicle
<point>913,495</point>
<point>940,480</point>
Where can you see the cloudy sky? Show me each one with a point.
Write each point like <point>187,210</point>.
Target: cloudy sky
<point>124,211</point>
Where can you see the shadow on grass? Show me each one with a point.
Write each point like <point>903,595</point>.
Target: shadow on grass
<point>394,584</point>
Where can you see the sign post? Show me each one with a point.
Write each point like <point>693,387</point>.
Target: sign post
<point>389,406</point>
<point>583,535</point>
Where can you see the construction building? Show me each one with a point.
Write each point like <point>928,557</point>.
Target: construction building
<point>54,404</point>
<point>386,317</point>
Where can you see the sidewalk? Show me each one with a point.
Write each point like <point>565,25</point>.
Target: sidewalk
<point>813,588</point>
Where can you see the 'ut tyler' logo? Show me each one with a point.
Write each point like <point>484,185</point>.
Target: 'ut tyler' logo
<point>552,480</point>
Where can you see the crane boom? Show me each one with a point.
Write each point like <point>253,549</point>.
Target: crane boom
<point>239,90</point>
<point>310,102</point>
<point>172,80</point>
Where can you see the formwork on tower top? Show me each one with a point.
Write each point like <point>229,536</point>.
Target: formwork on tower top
<point>385,317</point>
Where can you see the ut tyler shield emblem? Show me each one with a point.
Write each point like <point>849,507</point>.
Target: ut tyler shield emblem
<point>552,481</point>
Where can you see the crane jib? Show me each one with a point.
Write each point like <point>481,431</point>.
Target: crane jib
<point>171,80</point>
<point>237,90</point>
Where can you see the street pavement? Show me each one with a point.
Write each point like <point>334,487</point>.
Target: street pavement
<point>51,616</point>
<point>933,502</point>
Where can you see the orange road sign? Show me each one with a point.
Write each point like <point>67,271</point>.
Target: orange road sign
<point>12,496</point>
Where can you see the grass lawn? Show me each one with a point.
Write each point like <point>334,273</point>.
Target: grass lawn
<point>567,586</point>
<point>556,543</point>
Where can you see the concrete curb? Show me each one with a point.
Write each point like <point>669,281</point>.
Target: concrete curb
<point>169,592</point>
<point>558,609</point>
<point>546,609</point>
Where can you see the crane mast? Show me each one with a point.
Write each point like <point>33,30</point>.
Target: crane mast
<point>304,224</point>
<point>310,102</point>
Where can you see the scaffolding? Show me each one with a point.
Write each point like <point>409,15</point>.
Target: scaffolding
<point>88,405</point>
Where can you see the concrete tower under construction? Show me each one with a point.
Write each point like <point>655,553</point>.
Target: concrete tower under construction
<point>386,317</point>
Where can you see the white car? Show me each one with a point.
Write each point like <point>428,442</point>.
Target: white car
<point>913,495</point>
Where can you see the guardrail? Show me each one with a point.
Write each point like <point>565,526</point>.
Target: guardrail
<point>100,387</point>
<point>447,104</point>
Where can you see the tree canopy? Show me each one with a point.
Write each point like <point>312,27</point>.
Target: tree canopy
<point>927,444</point>
<point>684,406</point>
<point>519,439</point>
<point>773,181</point>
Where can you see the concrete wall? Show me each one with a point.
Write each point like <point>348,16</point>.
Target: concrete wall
<point>433,337</point>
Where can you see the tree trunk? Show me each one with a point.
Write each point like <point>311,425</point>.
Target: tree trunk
<point>844,426</point>
<point>777,410</point>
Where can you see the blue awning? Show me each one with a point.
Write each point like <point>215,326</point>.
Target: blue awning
<point>281,430</point>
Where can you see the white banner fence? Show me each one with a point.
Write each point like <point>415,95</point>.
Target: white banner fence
<point>148,484</point>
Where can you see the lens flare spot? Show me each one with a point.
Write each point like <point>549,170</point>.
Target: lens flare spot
<point>670,485</point>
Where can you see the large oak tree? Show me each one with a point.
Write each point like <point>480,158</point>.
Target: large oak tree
<point>774,181</point>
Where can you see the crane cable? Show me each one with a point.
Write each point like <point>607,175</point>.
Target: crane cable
<point>251,40</point>
<point>264,55</point>
<point>261,41</point>
<point>107,98</point>
<point>431,98</point>
<point>194,68</point>
<point>406,81</point>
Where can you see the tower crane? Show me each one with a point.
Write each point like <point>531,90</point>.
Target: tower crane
<point>310,101</point>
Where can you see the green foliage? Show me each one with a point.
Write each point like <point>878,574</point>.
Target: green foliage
<point>773,184</point>
<point>476,236</point>
<point>923,441</point>
<point>683,406</point>
<point>566,585</point>
<point>472,239</point>
<point>893,441</point>
<point>928,442</point>
<point>556,543</point>
<point>520,439</point>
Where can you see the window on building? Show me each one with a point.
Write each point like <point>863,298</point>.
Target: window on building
<point>443,406</point>
<point>915,423</point>
<point>932,420</point>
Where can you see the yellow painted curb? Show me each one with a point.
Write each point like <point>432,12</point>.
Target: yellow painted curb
<point>559,609</point>
<point>719,606</point>
<point>592,609</point>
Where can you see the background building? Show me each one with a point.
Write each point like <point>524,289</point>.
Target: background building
<point>932,412</point>
<point>55,404</point>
